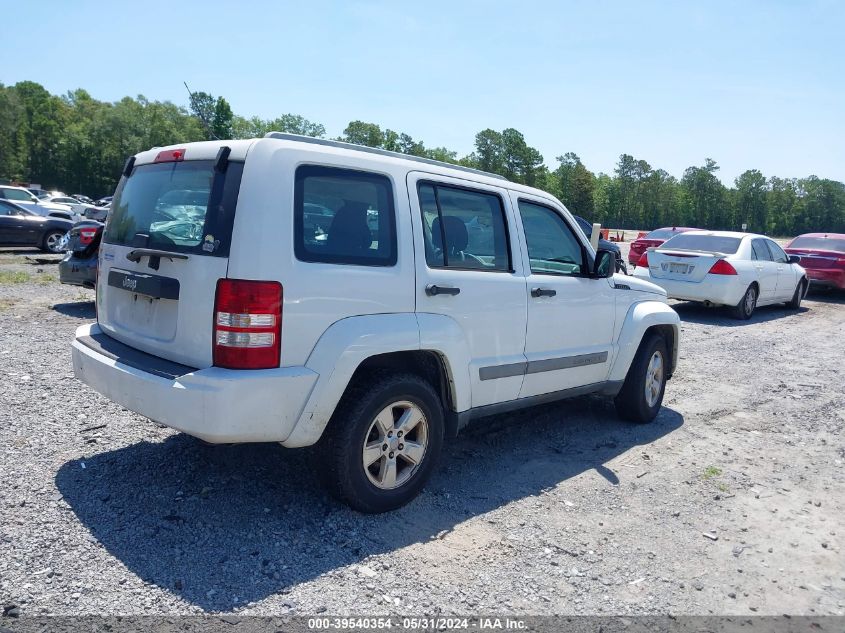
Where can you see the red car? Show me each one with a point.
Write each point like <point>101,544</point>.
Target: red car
<point>822,256</point>
<point>655,238</point>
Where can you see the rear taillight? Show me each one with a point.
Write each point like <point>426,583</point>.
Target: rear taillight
<point>86,236</point>
<point>247,324</point>
<point>643,260</point>
<point>722,267</point>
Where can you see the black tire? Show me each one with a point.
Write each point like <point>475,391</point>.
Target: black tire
<point>745,308</point>
<point>49,236</point>
<point>339,454</point>
<point>631,402</point>
<point>800,292</point>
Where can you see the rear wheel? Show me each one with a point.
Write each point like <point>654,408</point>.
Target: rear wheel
<point>52,242</point>
<point>745,308</point>
<point>642,393</point>
<point>800,291</point>
<point>382,442</point>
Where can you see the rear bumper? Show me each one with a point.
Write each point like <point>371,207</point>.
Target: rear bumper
<point>214,404</point>
<point>717,289</point>
<point>830,277</point>
<point>76,271</point>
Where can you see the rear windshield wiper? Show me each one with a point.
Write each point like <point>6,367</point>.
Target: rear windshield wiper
<point>154,254</point>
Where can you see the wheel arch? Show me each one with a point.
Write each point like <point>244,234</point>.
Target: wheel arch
<point>642,318</point>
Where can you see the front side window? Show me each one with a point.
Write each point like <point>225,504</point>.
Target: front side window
<point>759,251</point>
<point>553,248</point>
<point>463,228</point>
<point>778,253</point>
<point>17,194</point>
<point>342,216</point>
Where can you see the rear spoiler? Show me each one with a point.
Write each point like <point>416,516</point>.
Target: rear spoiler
<point>684,253</point>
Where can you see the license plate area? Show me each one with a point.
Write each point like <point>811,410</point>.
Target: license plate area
<point>154,286</point>
<point>677,268</point>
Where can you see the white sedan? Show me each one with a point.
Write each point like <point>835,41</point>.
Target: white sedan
<point>76,206</point>
<point>739,270</point>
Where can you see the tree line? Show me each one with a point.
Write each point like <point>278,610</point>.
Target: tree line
<point>78,144</point>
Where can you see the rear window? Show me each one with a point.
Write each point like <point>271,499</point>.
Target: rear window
<point>343,216</point>
<point>710,243</point>
<point>183,207</point>
<point>819,243</point>
<point>660,234</point>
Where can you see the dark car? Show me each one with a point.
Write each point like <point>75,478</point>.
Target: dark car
<point>79,266</point>
<point>604,244</point>
<point>22,227</point>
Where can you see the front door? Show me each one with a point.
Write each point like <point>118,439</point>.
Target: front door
<point>787,275</point>
<point>571,316</point>
<point>468,269</point>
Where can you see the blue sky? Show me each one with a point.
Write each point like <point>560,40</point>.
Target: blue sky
<point>751,84</point>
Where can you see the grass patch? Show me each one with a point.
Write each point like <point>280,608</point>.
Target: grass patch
<point>8,277</point>
<point>711,471</point>
<point>44,279</point>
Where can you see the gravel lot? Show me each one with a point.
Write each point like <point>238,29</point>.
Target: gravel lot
<point>731,502</point>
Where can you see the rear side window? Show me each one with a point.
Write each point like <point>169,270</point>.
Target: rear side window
<point>185,207</point>
<point>709,243</point>
<point>17,194</point>
<point>759,251</point>
<point>342,216</point>
<point>463,228</point>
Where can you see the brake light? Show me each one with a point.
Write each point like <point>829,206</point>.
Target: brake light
<point>170,156</point>
<point>247,324</point>
<point>643,260</point>
<point>86,236</point>
<point>722,267</point>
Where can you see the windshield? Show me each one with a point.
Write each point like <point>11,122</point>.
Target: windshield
<point>709,243</point>
<point>180,206</point>
<point>819,243</point>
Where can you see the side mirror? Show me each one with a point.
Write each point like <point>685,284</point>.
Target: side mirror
<point>605,264</point>
<point>794,259</point>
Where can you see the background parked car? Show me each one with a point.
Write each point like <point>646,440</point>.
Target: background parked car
<point>75,205</point>
<point>24,198</point>
<point>652,239</point>
<point>822,256</point>
<point>739,270</point>
<point>587,227</point>
<point>104,202</point>
<point>21,227</point>
<point>83,199</point>
<point>79,266</point>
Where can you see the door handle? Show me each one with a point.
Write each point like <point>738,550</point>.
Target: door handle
<point>432,290</point>
<point>543,292</point>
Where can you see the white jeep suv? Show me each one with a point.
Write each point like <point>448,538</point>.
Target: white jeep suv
<point>295,290</point>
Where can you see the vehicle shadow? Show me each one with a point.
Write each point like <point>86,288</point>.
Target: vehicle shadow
<point>222,526</point>
<point>693,312</point>
<point>826,295</point>
<point>78,309</point>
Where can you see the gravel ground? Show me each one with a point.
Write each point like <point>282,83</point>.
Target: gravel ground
<point>731,502</point>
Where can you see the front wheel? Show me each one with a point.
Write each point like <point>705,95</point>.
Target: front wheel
<point>382,442</point>
<point>800,291</point>
<point>642,393</point>
<point>52,242</point>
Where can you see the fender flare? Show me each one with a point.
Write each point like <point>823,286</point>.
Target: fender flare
<point>349,342</point>
<point>640,317</point>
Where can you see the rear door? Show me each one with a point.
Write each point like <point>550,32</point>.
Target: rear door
<point>164,248</point>
<point>468,268</point>
<point>765,267</point>
<point>571,316</point>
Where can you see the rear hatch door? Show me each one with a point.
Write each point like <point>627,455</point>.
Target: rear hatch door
<point>165,245</point>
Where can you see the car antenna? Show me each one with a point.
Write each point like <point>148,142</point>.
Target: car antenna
<point>199,114</point>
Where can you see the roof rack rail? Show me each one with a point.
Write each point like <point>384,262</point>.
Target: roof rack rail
<point>284,136</point>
